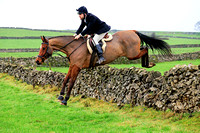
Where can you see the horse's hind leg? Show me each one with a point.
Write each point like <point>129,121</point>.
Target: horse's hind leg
<point>144,58</point>
<point>142,53</point>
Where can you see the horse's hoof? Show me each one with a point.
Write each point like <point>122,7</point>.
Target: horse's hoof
<point>60,98</point>
<point>63,103</point>
<point>151,64</point>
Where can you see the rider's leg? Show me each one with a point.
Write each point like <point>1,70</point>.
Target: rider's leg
<point>96,40</point>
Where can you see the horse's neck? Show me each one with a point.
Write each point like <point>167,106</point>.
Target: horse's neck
<point>61,44</point>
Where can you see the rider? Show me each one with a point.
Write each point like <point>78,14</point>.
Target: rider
<point>93,26</point>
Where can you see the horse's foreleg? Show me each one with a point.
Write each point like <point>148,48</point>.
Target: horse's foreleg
<point>62,92</point>
<point>74,73</point>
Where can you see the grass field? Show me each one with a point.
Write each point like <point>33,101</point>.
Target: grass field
<point>19,43</point>
<point>24,110</point>
<point>19,54</point>
<point>31,54</point>
<point>179,50</point>
<point>27,32</point>
<point>177,34</point>
<point>35,43</point>
<point>161,67</point>
<point>24,54</point>
<point>29,43</point>
<point>174,41</point>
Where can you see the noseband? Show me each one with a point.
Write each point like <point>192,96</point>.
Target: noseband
<point>46,55</point>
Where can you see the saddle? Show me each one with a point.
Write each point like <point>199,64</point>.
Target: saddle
<point>91,46</point>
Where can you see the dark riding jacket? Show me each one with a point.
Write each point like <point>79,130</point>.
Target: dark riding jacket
<point>94,25</point>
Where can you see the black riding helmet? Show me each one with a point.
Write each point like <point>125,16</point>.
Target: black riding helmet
<point>82,10</point>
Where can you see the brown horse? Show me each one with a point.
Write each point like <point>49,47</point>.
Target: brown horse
<point>124,43</point>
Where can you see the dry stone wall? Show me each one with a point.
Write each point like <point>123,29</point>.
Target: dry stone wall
<point>32,76</point>
<point>178,89</point>
<point>53,61</point>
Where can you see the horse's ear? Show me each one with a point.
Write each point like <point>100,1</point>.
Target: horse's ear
<point>44,39</point>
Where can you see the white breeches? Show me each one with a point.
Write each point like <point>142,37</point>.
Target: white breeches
<point>97,38</point>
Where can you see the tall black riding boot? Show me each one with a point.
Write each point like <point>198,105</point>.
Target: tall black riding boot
<point>100,54</point>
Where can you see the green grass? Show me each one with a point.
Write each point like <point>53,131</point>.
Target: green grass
<point>54,69</point>
<point>31,54</point>
<point>24,54</point>
<point>185,50</point>
<point>20,43</point>
<point>19,54</point>
<point>27,32</point>
<point>23,110</point>
<point>174,41</point>
<point>178,34</point>
<point>178,50</point>
<point>161,67</point>
<point>35,43</point>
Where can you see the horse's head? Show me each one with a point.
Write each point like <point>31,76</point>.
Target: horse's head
<point>45,51</point>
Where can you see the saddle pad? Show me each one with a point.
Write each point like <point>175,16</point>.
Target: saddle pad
<point>104,40</point>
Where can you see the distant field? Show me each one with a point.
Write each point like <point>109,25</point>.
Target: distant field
<point>161,66</point>
<point>180,50</point>
<point>185,50</point>
<point>31,54</point>
<point>35,43</point>
<point>176,34</point>
<point>19,43</point>
<point>18,55</point>
<point>24,54</point>
<point>174,41</point>
<point>26,32</point>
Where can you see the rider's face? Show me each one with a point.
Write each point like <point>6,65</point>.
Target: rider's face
<point>81,16</point>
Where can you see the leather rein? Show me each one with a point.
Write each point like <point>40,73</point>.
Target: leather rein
<point>46,55</point>
<point>74,49</point>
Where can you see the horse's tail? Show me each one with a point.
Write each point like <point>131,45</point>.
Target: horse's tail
<point>154,43</point>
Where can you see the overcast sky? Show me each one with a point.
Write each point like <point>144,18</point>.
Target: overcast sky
<point>146,15</point>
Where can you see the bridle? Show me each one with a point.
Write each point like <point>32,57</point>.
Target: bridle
<point>47,54</point>
<point>68,57</point>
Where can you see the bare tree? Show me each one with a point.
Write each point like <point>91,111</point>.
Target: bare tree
<point>197,26</point>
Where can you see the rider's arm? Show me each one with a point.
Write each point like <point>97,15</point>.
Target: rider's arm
<point>80,29</point>
<point>90,26</point>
